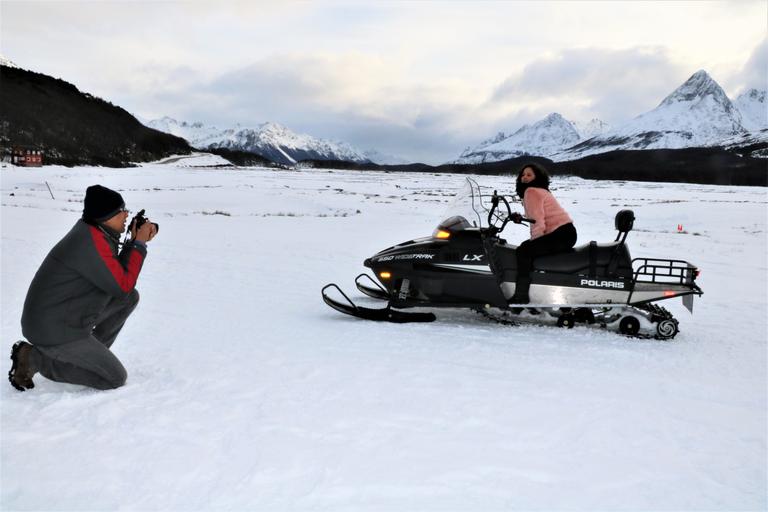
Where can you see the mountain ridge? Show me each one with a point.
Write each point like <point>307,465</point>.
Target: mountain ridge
<point>754,112</point>
<point>543,138</point>
<point>269,140</point>
<point>698,113</point>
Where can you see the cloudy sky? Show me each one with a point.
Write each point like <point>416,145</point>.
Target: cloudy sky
<point>422,80</point>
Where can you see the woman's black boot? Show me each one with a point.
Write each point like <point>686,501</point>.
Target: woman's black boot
<point>521,292</point>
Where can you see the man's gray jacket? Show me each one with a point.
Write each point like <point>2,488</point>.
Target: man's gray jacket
<point>76,281</point>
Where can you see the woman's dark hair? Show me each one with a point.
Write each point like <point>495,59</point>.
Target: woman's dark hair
<point>540,181</point>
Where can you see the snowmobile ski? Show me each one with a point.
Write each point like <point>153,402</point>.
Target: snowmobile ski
<point>381,314</point>
<point>379,292</point>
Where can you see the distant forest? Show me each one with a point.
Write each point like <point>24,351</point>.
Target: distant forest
<point>692,165</point>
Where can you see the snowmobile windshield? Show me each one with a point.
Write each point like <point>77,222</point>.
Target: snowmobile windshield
<point>469,209</point>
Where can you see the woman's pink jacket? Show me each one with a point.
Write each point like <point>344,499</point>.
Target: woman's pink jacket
<point>541,206</point>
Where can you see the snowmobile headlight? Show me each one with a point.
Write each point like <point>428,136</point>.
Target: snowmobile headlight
<point>669,293</point>
<point>385,275</point>
<point>442,234</point>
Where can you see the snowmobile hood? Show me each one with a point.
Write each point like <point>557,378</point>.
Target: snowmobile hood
<point>420,249</point>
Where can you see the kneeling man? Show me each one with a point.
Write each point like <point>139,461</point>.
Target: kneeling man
<point>80,297</point>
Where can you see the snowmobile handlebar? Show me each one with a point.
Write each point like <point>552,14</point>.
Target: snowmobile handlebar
<point>514,217</point>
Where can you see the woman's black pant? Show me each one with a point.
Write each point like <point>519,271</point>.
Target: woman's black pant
<point>560,240</point>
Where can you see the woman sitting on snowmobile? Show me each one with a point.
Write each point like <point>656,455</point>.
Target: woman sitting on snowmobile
<point>553,230</point>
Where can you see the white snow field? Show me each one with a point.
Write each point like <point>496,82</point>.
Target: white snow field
<point>246,392</point>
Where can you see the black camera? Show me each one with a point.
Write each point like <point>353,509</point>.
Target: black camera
<point>140,219</point>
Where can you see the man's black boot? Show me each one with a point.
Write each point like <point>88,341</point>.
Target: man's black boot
<point>22,367</point>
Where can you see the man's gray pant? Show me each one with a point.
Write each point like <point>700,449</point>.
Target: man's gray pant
<point>88,361</point>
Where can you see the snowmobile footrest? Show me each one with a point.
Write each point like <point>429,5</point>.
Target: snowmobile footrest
<point>381,315</point>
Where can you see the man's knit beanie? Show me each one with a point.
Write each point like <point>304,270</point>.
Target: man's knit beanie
<point>101,203</point>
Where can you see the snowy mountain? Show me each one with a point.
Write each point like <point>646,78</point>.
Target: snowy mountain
<point>546,137</point>
<point>270,140</point>
<point>696,114</point>
<point>751,105</point>
<point>591,128</point>
<point>380,158</point>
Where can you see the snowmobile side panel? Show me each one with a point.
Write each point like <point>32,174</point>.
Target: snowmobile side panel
<point>566,296</point>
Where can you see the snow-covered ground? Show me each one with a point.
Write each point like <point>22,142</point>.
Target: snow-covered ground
<point>246,392</point>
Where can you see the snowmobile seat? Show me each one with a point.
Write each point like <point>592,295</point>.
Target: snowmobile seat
<point>589,259</point>
<point>604,260</point>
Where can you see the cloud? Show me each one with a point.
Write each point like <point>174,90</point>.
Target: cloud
<point>755,71</point>
<point>370,102</point>
<point>612,84</point>
<point>366,101</point>
<point>348,84</point>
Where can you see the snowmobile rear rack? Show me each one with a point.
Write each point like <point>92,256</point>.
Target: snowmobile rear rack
<point>382,315</point>
<point>672,273</point>
<point>653,270</point>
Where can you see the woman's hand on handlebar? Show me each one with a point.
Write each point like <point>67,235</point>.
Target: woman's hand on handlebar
<point>519,219</point>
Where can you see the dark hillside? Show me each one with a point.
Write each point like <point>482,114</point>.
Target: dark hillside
<point>242,158</point>
<point>72,127</point>
<point>510,166</point>
<point>692,165</point>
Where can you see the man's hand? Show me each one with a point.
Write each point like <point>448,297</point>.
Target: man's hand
<point>516,218</point>
<point>145,233</point>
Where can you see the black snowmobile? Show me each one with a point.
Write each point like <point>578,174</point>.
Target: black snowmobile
<point>466,264</point>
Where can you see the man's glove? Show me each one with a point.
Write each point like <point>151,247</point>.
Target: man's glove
<point>516,218</point>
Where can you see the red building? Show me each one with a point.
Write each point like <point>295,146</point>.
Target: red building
<point>27,157</point>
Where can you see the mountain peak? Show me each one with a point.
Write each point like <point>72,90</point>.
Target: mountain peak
<point>700,75</point>
<point>551,120</point>
<point>696,114</point>
<point>273,127</point>
<point>754,94</point>
<point>751,104</point>
<point>542,138</point>
<point>591,128</point>
<point>554,116</point>
<point>493,140</point>
<point>699,85</point>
